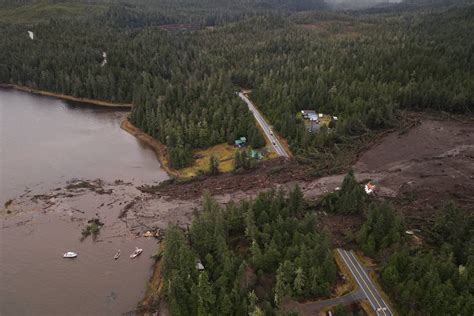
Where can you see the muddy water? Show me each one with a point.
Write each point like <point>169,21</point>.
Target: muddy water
<point>44,143</point>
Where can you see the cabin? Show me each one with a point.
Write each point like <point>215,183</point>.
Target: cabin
<point>369,188</point>
<point>314,121</point>
<point>241,142</point>
<point>199,266</point>
<point>309,115</point>
<point>311,120</point>
<point>255,154</point>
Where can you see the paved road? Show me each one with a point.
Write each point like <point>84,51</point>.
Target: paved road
<point>365,283</point>
<point>266,128</point>
<point>314,308</point>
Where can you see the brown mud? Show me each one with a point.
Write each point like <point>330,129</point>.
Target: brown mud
<point>420,168</point>
<point>159,148</point>
<point>425,167</point>
<point>66,97</point>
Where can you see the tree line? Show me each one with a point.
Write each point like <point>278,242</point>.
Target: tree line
<point>434,276</point>
<point>183,84</point>
<point>255,254</point>
<point>437,279</point>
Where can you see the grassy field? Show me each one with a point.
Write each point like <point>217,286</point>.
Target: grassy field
<point>43,11</point>
<point>224,152</point>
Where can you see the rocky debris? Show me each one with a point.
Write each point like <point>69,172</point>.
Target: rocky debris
<point>8,203</point>
<point>156,233</point>
<point>93,228</point>
<point>94,185</point>
<point>267,175</point>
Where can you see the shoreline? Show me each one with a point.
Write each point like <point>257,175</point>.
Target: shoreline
<point>66,97</point>
<point>159,148</point>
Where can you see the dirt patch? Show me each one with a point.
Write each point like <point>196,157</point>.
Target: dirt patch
<point>339,29</point>
<point>421,167</point>
<point>431,138</point>
<point>425,167</point>
<point>266,175</point>
<point>340,227</point>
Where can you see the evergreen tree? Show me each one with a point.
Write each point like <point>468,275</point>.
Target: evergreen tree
<point>382,229</point>
<point>213,165</point>
<point>351,198</point>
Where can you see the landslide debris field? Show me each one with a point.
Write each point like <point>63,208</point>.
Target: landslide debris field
<point>420,169</point>
<point>425,167</point>
<point>428,164</point>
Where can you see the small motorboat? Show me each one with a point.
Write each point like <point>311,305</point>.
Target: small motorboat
<point>136,253</point>
<point>70,254</point>
<point>117,254</point>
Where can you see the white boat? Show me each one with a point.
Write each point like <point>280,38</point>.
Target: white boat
<point>136,253</point>
<point>117,254</point>
<point>70,254</point>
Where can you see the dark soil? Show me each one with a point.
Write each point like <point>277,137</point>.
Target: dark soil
<point>426,167</point>
<point>279,170</point>
<point>340,228</point>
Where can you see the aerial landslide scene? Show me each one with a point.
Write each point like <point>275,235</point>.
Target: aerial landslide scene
<point>236,157</point>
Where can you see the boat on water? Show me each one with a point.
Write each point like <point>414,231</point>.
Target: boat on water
<point>136,253</point>
<point>117,254</point>
<point>70,254</point>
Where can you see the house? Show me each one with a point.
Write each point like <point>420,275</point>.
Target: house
<point>104,60</point>
<point>309,115</point>
<point>311,120</point>
<point>199,266</point>
<point>314,121</point>
<point>369,188</point>
<point>256,154</point>
<point>241,142</point>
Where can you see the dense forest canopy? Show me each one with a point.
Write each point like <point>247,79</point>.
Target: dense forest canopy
<point>257,254</point>
<point>181,63</point>
<point>361,67</point>
<point>433,275</point>
<point>141,13</point>
<point>279,256</point>
<point>437,279</point>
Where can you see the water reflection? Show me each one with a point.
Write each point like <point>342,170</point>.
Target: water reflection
<point>45,142</point>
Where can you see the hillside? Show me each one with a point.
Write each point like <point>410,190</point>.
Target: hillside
<point>386,91</point>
